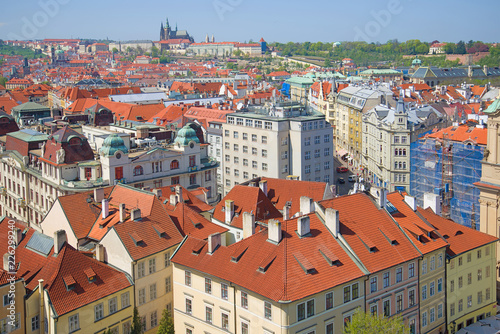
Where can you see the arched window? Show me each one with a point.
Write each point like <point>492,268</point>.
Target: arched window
<point>138,170</point>
<point>404,152</point>
<point>400,165</point>
<point>404,165</point>
<point>174,164</point>
<point>396,151</point>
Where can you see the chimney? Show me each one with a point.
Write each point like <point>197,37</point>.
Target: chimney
<point>178,192</point>
<point>485,69</point>
<point>98,194</point>
<point>214,241</point>
<point>229,211</point>
<point>286,212</point>
<point>105,208</point>
<point>332,221</point>
<point>157,192</point>
<point>136,215</point>
<point>6,262</point>
<point>173,199</point>
<point>99,253</point>
<point>18,235</point>
<point>303,226</point>
<point>469,72</point>
<point>248,224</point>
<point>123,213</point>
<point>274,231</point>
<point>411,201</point>
<point>432,201</point>
<point>59,240</point>
<point>306,205</point>
<point>263,186</point>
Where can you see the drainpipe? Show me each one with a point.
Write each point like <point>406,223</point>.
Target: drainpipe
<point>42,305</point>
<point>234,307</point>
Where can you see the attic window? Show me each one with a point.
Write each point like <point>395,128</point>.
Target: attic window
<point>159,230</point>
<point>90,274</point>
<point>70,282</point>
<point>304,263</point>
<point>196,224</point>
<point>392,239</point>
<point>459,233</point>
<point>264,265</point>
<point>367,242</point>
<point>331,258</point>
<point>136,238</point>
<point>238,253</point>
<point>198,247</point>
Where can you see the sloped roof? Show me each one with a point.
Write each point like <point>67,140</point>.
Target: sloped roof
<point>281,278</point>
<point>462,133</point>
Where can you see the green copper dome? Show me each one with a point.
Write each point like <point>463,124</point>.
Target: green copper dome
<point>112,144</point>
<point>185,135</point>
<point>416,61</point>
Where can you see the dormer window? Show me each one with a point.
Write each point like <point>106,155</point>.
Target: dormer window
<point>69,282</point>
<point>91,275</point>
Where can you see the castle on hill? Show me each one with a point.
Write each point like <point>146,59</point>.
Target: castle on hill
<point>167,33</point>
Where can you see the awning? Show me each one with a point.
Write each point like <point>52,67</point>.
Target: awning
<point>341,152</point>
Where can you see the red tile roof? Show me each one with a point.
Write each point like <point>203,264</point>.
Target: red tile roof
<point>367,228</point>
<point>463,133</point>
<point>273,270</point>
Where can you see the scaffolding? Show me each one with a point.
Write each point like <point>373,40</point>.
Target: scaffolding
<point>450,169</point>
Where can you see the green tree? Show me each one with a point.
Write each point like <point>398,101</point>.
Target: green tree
<point>327,63</point>
<point>364,323</point>
<point>460,48</point>
<point>237,53</point>
<point>136,323</point>
<point>3,80</point>
<point>155,51</point>
<point>166,323</point>
<point>115,50</point>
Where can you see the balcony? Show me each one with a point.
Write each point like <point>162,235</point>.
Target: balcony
<point>192,169</point>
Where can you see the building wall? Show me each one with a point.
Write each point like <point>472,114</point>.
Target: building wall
<point>12,312</point>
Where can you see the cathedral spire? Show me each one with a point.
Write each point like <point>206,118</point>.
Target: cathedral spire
<point>168,25</point>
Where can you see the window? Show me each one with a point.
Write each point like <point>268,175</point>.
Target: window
<point>424,267</point>
<point>307,169</point>
<point>235,147</point>
<point>452,285</point>
<point>329,300</point>
<point>440,260</point>
<point>254,151</point>
<point>373,309</point>
<point>138,170</point>
<point>154,319</point>
<point>141,269</point>
<point>424,319</point>
<point>239,121</point>
<point>35,323</point>
<point>301,311</point>
<point>227,146</point>
<point>249,122</point>
<point>152,266</point>
<point>431,289</point>
<point>452,309</point>
<point>268,125</point>
<point>387,280</point>
<point>174,164</point>
<point>307,141</point>
<point>355,291</point>
<point>440,285</point>
<point>264,139</point>
<point>310,308</point>
<point>113,305</point>
<point>424,292</point>
<point>307,156</point>
<point>487,270</point>
<point>175,180</point>
<point>258,124</point>
<point>168,284</point>
<point>244,299</point>
<point>208,285</point>
<point>284,155</point>
<point>267,310</point>
<point>399,274</point>
<point>74,323</point>
<point>235,134</point>
<point>460,261</point>
<point>432,315</point>
<point>469,278</point>
<point>152,291</point>
<point>479,274</point>
<point>264,153</point>
<point>411,270</point>
<point>99,311</point>
<point>142,296</point>
<point>460,282</point>
<point>327,138</point>
<point>223,291</point>
<point>254,164</point>
<point>245,162</point>
<point>189,306</point>
<point>347,294</point>
<point>187,278</point>
<point>264,166</point>
<point>192,160</point>
<point>225,321</point>
<point>317,153</point>
<point>387,308</point>
<point>399,303</point>
<point>373,284</point>
<point>208,314</point>
<point>254,138</point>
<point>479,297</point>
<point>488,294</point>
<point>244,325</point>
<point>460,305</point>
<point>226,132</point>
<point>487,251</point>
<point>245,149</point>
<point>125,299</point>
<point>411,298</point>
<point>432,263</point>
<point>469,301</point>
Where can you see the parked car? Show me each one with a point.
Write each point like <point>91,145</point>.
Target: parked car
<point>342,169</point>
<point>352,178</point>
<point>340,180</point>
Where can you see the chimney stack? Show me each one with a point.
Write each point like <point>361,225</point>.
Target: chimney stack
<point>99,253</point>
<point>248,224</point>
<point>411,201</point>
<point>18,235</point>
<point>306,205</point>
<point>178,192</point>
<point>303,227</point>
<point>98,194</point>
<point>286,212</point>
<point>105,208</point>
<point>136,215</point>
<point>263,186</point>
<point>59,240</point>
<point>214,241</point>
<point>157,192</point>
<point>123,213</point>
<point>332,221</point>
<point>6,262</point>
<point>380,194</point>
<point>229,211</point>
<point>274,231</point>
<point>173,199</point>
<point>432,201</point>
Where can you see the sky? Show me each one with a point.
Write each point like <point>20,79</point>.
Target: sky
<point>244,20</point>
